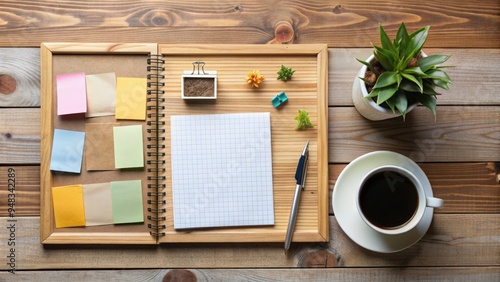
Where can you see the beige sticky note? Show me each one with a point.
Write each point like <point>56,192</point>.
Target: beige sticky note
<point>68,206</point>
<point>101,94</point>
<point>97,203</point>
<point>131,98</point>
<point>99,146</point>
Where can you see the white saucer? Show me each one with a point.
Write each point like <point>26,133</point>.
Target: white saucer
<point>346,213</point>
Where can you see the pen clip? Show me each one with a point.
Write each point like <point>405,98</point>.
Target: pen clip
<point>304,174</point>
<point>300,173</point>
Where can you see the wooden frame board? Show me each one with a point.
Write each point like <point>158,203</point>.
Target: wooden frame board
<point>307,90</point>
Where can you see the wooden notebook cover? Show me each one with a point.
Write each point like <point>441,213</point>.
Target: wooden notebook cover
<point>307,90</point>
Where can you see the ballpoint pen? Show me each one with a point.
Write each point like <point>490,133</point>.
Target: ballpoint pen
<point>300,176</point>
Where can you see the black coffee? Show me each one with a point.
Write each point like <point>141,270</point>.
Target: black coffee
<point>388,199</point>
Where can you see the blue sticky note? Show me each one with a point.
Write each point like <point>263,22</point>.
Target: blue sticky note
<point>67,151</point>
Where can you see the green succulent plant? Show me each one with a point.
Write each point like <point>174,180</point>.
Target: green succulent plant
<point>285,73</point>
<point>401,76</point>
<point>303,120</point>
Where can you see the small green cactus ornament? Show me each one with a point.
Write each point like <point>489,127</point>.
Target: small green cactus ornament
<point>285,73</point>
<point>303,120</point>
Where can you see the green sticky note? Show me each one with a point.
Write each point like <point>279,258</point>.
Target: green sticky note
<point>128,146</point>
<point>126,199</point>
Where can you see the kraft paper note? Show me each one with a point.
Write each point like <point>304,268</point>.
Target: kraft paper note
<point>127,201</point>
<point>128,146</point>
<point>71,93</point>
<point>97,203</point>
<point>99,146</point>
<point>67,151</point>
<point>131,98</point>
<point>68,206</point>
<point>101,94</point>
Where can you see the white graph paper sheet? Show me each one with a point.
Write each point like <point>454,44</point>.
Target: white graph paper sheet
<point>222,170</point>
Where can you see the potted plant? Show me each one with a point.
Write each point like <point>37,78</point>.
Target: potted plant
<point>399,76</point>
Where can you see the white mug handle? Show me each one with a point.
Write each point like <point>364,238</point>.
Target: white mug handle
<point>434,202</point>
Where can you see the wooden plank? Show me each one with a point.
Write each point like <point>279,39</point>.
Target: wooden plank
<point>475,76</point>
<point>467,187</point>
<point>478,192</point>
<point>459,134</point>
<point>19,77</point>
<point>473,242</point>
<point>327,274</point>
<point>20,136</point>
<point>347,24</point>
<point>25,187</point>
<point>452,240</point>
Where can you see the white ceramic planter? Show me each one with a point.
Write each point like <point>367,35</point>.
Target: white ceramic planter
<point>367,107</point>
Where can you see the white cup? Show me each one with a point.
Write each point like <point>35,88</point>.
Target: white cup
<point>391,200</point>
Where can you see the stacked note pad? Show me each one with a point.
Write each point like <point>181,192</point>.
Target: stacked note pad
<point>222,170</point>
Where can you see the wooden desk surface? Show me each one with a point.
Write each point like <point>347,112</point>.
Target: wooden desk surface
<point>459,151</point>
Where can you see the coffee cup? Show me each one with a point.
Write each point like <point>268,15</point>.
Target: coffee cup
<point>391,200</point>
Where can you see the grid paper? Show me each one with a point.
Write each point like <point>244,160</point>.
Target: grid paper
<point>222,170</point>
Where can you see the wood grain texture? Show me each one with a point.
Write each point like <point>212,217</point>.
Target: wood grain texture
<point>475,75</point>
<point>20,136</point>
<point>473,242</point>
<point>459,134</point>
<point>457,274</point>
<point>26,190</point>
<point>19,77</point>
<point>347,23</point>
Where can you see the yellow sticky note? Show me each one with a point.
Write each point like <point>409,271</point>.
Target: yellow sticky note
<point>131,98</point>
<point>68,206</point>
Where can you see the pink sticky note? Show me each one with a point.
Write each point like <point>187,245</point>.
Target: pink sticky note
<point>71,93</point>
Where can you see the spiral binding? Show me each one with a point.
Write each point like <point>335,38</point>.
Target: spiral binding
<point>155,161</point>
